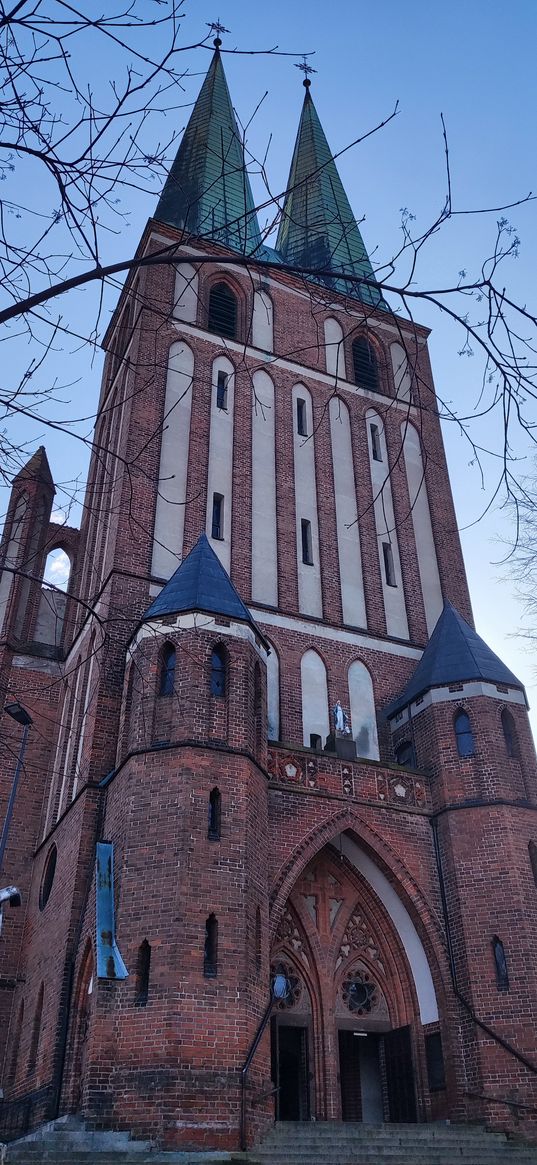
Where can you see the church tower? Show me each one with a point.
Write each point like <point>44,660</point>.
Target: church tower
<point>284,862</point>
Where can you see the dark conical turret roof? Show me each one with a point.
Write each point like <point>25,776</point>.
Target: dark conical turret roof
<point>318,227</point>
<point>208,191</point>
<point>455,654</point>
<point>200,583</point>
<point>37,468</point>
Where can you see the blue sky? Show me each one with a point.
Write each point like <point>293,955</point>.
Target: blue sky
<point>472,62</point>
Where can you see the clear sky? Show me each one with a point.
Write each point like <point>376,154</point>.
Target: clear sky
<point>474,63</point>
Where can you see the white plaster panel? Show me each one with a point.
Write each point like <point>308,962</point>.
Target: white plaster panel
<point>273,694</point>
<point>394,598</point>
<point>315,718</point>
<point>413,946</point>
<point>335,634</point>
<point>220,476</point>
<point>309,576</point>
<point>423,532</point>
<point>50,616</point>
<point>401,373</point>
<point>348,533</point>
<point>185,306</point>
<point>262,322</point>
<point>334,350</point>
<point>362,709</point>
<point>264,537</point>
<point>171,499</point>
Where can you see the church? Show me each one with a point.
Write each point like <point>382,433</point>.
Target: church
<point>275,823</point>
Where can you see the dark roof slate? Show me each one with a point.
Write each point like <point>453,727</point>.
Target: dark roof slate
<point>454,654</point>
<point>200,583</point>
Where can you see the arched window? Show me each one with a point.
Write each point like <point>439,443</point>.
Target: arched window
<point>500,963</point>
<point>365,366</point>
<point>143,965</point>
<point>509,733</point>
<point>36,1032</point>
<point>215,813</point>
<point>258,940</point>
<point>218,672</point>
<point>464,735</point>
<point>404,754</point>
<point>210,950</point>
<point>167,671</point>
<point>48,877</point>
<point>222,311</point>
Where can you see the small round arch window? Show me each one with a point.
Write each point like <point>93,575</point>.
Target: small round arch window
<point>48,877</point>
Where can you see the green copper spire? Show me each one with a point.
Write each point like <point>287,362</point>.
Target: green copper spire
<point>318,228</point>
<point>208,191</point>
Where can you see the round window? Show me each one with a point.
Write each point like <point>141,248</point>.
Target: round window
<point>48,877</point>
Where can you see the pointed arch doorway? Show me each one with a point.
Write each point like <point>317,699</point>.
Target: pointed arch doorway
<point>345,1037</point>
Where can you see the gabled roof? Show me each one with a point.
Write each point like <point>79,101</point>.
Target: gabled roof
<point>455,654</point>
<point>318,227</point>
<point>37,468</point>
<point>208,191</point>
<point>200,583</point>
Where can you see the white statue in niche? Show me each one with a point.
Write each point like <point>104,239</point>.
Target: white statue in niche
<point>341,720</point>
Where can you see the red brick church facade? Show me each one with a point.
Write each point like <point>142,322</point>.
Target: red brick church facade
<point>268,531</point>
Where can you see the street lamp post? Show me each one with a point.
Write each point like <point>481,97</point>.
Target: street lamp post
<point>18,713</point>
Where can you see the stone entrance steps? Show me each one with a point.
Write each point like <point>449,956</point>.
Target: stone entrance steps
<point>334,1143</point>
<point>68,1142</point>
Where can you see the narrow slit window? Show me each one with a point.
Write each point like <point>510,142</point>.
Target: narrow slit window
<point>215,811</point>
<point>218,672</point>
<point>143,966</point>
<point>316,741</point>
<point>404,754</point>
<point>210,950</point>
<point>301,418</point>
<point>464,735</point>
<point>500,963</point>
<point>258,940</point>
<point>389,568</point>
<point>217,525</point>
<point>376,446</point>
<point>307,551</point>
<point>221,390</point>
<point>167,671</point>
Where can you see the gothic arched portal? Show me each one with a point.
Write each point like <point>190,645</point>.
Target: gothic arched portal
<point>352,988</point>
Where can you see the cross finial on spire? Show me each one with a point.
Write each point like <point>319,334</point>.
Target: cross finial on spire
<point>306,69</point>
<point>216,27</point>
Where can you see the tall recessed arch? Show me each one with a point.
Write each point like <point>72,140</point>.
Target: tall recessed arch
<point>401,372</point>
<point>334,349</point>
<point>263,322</point>
<point>172,483</point>
<point>273,694</point>
<point>348,532</point>
<point>431,587</point>
<point>362,710</point>
<point>387,541</point>
<point>264,528</point>
<point>185,306</point>
<point>314,688</point>
<point>307,523</point>
<point>220,472</point>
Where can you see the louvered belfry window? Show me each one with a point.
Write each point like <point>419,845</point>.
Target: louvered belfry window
<point>364,358</point>
<point>222,311</point>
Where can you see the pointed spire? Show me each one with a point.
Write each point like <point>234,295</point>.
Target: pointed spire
<point>36,469</point>
<point>200,583</point>
<point>208,191</point>
<point>455,654</point>
<point>318,227</point>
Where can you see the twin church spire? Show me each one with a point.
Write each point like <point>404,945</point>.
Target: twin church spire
<point>208,192</point>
